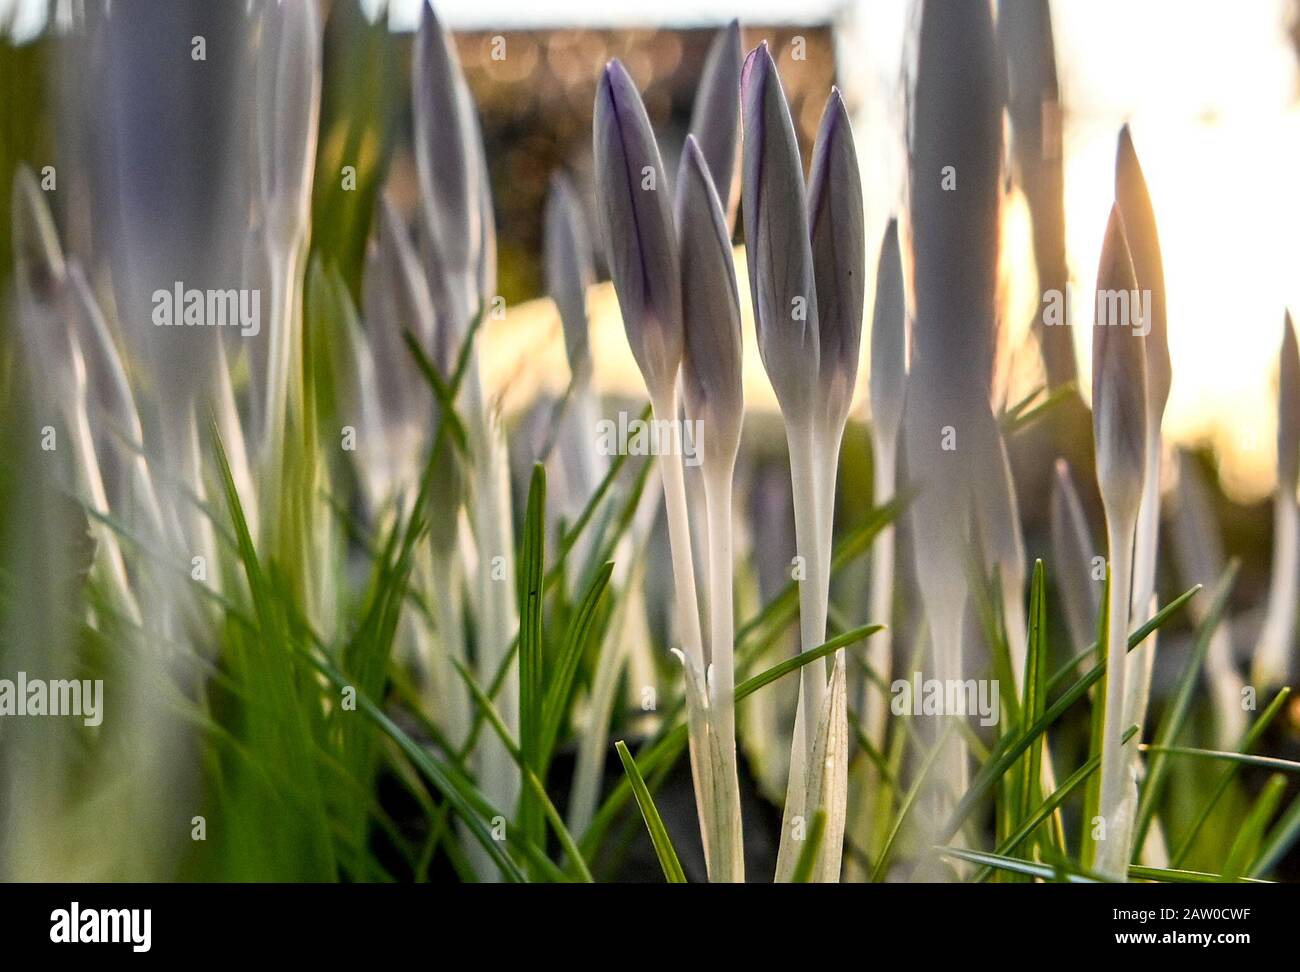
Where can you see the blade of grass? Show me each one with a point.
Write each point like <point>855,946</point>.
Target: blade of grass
<point>663,844</point>
<point>1008,751</point>
<point>803,868</point>
<point>1049,806</point>
<point>1012,424</point>
<point>1245,846</point>
<point>905,808</point>
<point>1248,742</point>
<point>1278,842</point>
<point>669,747</point>
<point>531,780</point>
<point>556,702</point>
<point>531,674</point>
<point>1175,715</point>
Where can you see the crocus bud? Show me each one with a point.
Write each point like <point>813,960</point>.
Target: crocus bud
<point>777,241</point>
<point>175,178</point>
<point>396,299</point>
<point>637,226</point>
<point>956,191</point>
<point>1072,555</point>
<point>566,263</point>
<point>445,151</point>
<point>888,339</point>
<point>715,118</point>
<point>1288,411</point>
<point>1034,107</point>
<point>710,311</point>
<point>1144,247</point>
<point>1119,384</point>
<point>839,249</point>
<point>288,105</point>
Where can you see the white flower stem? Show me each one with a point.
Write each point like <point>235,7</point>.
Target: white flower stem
<point>808,534</point>
<point>1113,763</point>
<point>1273,655</point>
<point>808,531</point>
<point>728,844</point>
<point>679,540</point>
<point>1148,529</point>
<point>875,705</point>
<point>664,404</point>
<point>946,631</point>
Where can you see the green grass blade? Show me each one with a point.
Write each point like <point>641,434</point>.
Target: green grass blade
<point>560,687</point>
<point>670,746</point>
<point>531,673</point>
<point>1175,715</point>
<point>905,808</point>
<point>1278,842</point>
<point>803,868</point>
<point>1008,751</point>
<point>1249,741</point>
<point>663,844</point>
<point>1246,759</point>
<point>1025,417</point>
<point>1250,835</point>
<point>532,782</point>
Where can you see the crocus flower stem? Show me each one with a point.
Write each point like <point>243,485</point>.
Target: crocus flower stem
<point>729,864</point>
<point>1273,658</point>
<point>1120,536</point>
<point>874,703</point>
<point>664,404</point>
<point>665,409</point>
<point>808,530</point>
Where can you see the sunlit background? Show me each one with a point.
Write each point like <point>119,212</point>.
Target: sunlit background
<point>1209,87</point>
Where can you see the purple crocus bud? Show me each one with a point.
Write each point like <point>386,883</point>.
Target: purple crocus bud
<point>956,191</point>
<point>715,119</point>
<point>1144,246</point>
<point>888,338</point>
<point>566,264</point>
<point>1288,411</point>
<point>396,299</point>
<point>636,223</point>
<point>447,157</point>
<point>710,311</point>
<point>777,242</point>
<point>171,90</point>
<point>839,249</point>
<point>1119,384</point>
<point>288,108</point>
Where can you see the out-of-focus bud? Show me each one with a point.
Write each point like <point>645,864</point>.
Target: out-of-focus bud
<point>715,119</point>
<point>567,266</point>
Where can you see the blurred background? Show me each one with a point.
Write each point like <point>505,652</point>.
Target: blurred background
<point>1209,88</point>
